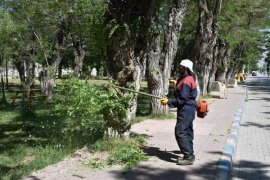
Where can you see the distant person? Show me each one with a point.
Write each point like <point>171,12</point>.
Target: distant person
<point>184,100</point>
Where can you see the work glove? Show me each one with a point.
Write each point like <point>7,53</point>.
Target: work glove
<point>164,101</point>
<point>173,82</point>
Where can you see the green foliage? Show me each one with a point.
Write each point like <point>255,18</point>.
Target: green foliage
<point>31,139</point>
<point>128,155</point>
<point>207,96</point>
<point>187,32</point>
<point>220,67</point>
<point>24,160</point>
<point>32,29</point>
<point>8,29</point>
<point>91,110</point>
<point>96,164</point>
<point>139,119</point>
<point>113,28</point>
<point>124,29</point>
<point>240,21</point>
<point>126,152</point>
<point>27,111</point>
<point>35,135</point>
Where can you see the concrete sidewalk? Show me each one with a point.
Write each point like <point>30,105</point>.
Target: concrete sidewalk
<point>210,137</point>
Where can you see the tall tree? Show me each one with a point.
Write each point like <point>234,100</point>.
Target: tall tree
<point>162,53</point>
<point>204,48</point>
<point>86,30</point>
<point>52,27</point>
<point>129,37</point>
<point>239,33</point>
<point>7,30</point>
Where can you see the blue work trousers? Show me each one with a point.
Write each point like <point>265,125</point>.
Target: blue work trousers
<point>184,129</point>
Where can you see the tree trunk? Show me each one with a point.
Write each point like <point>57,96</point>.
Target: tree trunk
<point>6,75</point>
<point>235,63</point>
<point>4,100</point>
<point>219,58</point>
<point>214,66</point>
<point>79,54</point>
<point>50,77</point>
<point>202,53</point>
<point>21,69</point>
<point>222,67</point>
<point>128,42</point>
<point>155,79</point>
<point>30,75</point>
<point>54,62</point>
<point>159,62</point>
<point>42,80</point>
<point>60,71</point>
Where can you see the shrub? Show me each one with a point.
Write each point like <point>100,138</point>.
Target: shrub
<point>125,152</point>
<point>90,110</point>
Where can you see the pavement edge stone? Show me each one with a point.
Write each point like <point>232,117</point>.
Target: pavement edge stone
<point>225,167</point>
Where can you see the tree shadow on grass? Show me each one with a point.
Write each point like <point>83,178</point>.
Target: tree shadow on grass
<point>5,170</point>
<point>29,128</point>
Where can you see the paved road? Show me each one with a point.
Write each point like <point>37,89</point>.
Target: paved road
<point>252,158</point>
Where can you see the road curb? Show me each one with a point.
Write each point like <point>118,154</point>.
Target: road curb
<point>225,167</point>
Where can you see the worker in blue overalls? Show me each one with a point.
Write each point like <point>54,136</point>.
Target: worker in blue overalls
<point>185,95</point>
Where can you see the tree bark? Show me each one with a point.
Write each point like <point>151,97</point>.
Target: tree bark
<point>60,71</point>
<point>220,64</point>
<point>54,62</point>
<point>214,67</point>
<point>79,54</point>
<point>223,63</point>
<point>155,80</point>
<point>6,75</point>
<point>21,69</point>
<point>203,51</point>
<point>235,63</point>
<point>4,100</point>
<point>159,62</point>
<point>128,42</point>
<point>30,75</point>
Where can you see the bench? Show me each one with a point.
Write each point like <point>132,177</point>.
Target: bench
<point>32,94</point>
<point>39,96</point>
<point>218,90</point>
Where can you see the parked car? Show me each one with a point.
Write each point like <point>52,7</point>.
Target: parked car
<point>254,73</point>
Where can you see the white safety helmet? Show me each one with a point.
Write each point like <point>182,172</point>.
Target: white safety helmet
<point>188,64</point>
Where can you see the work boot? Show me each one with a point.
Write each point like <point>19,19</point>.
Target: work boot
<point>186,160</point>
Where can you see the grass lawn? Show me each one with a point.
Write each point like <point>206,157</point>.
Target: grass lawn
<point>31,137</point>
<point>28,141</point>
